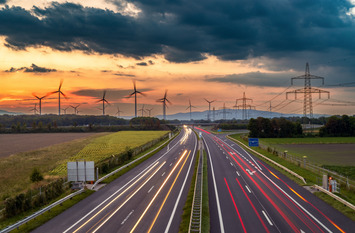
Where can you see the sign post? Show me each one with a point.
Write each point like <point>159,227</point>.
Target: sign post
<point>253,141</point>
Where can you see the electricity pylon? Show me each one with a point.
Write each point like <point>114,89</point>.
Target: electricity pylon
<point>244,105</point>
<point>308,90</point>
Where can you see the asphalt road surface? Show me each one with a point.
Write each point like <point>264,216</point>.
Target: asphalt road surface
<point>149,198</point>
<point>246,195</point>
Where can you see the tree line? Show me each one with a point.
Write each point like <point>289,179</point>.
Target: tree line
<point>274,128</point>
<point>337,126</point>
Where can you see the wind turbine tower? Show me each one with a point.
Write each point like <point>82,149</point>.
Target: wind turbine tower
<point>103,103</point>
<point>135,92</point>
<point>59,91</point>
<point>209,108</point>
<point>190,107</point>
<point>164,100</point>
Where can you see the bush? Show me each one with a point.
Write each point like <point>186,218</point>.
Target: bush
<point>36,175</point>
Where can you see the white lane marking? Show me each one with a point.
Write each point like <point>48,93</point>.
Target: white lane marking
<point>148,167</point>
<point>248,189</point>
<point>163,174</point>
<point>215,190</point>
<point>289,196</point>
<point>182,188</point>
<point>249,156</point>
<point>238,173</point>
<point>226,157</point>
<point>124,220</point>
<point>302,231</point>
<point>231,164</point>
<point>250,172</point>
<point>170,164</point>
<point>267,218</point>
<point>133,194</point>
<point>150,189</point>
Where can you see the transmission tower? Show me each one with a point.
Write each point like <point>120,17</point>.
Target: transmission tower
<point>244,105</point>
<point>308,90</point>
<point>224,112</point>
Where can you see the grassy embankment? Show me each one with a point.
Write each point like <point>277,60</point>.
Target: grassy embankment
<point>310,178</point>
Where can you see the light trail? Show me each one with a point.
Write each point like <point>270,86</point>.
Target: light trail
<point>157,193</point>
<point>167,195</point>
<point>146,181</point>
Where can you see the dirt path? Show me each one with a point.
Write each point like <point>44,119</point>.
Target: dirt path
<point>15,143</point>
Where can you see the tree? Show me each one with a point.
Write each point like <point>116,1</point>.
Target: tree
<point>36,175</point>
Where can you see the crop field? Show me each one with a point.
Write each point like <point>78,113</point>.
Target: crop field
<point>16,143</point>
<point>16,169</point>
<point>322,151</point>
<point>106,146</point>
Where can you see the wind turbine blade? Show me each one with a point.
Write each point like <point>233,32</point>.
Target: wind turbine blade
<point>166,93</point>
<point>60,85</point>
<point>168,101</point>
<point>134,85</point>
<point>35,95</point>
<point>188,107</point>
<point>103,97</point>
<point>206,100</point>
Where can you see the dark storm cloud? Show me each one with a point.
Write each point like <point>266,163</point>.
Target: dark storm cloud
<point>110,93</point>
<point>32,69</point>
<point>185,30</point>
<point>3,1</point>
<point>142,64</point>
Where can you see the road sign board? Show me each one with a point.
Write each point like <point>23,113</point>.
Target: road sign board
<point>253,141</point>
<point>81,171</point>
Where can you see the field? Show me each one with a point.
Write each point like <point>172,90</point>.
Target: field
<point>16,169</point>
<point>106,146</point>
<point>16,143</point>
<point>322,151</point>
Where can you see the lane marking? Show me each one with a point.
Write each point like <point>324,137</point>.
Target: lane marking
<point>141,177</point>
<point>170,164</point>
<point>124,220</point>
<point>221,225</point>
<point>163,174</point>
<point>114,212</point>
<point>167,195</point>
<point>231,164</point>
<point>182,188</point>
<point>150,189</point>
<point>238,173</point>
<point>157,193</point>
<point>267,218</point>
<point>248,188</point>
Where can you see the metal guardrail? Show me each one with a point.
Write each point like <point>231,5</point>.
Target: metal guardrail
<point>130,163</point>
<point>270,160</point>
<point>335,196</point>
<point>196,210</point>
<point>27,219</point>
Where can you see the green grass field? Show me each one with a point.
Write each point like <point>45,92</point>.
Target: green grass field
<point>315,140</point>
<point>103,147</point>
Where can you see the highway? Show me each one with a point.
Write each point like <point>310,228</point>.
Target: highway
<point>148,198</point>
<point>247,195</point>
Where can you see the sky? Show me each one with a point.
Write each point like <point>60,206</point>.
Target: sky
<point>195,49</point>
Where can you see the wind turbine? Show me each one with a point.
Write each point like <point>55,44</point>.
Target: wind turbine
<point>65,110</point>
<point>35,110</point>
<point>40,102</point>
<point>103,103</point>
<point>118,111</point>
<point>135,92</point>
<point>164,100</point>
<point>142,109</point>
<point>149,110</point>
<point>75,108</point>
<point>209,107</point>
<point>59,93</point>
<point>190,107</point>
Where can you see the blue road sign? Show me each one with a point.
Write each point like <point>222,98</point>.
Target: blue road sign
<point>253,141</point>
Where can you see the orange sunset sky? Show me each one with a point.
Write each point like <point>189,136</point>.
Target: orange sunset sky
<point>208,50</point>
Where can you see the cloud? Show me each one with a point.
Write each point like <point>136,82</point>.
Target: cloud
<point>187,31</point>
<point>256,79</point>
<point>111,94</point>
<point>142,64</point>
<point>125,75</point>
<point>32,69</point>
<point>3,1</point>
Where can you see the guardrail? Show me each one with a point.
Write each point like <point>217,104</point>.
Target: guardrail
<point>130,163</point>
<point>27,219</point>
<point>270,160</point>
<point>335,196</point>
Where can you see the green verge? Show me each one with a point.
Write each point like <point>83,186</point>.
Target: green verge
<point>185,218</point>
<point>309,176</point>
<point>43,218</point>
<point>123,171</point>
<point>205,199</point>
<point>337,205</point>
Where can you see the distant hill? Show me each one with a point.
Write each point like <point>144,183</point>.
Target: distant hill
<point>230,114</point>
<point>4,112</point>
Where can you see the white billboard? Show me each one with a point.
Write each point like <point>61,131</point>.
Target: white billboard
<point>81,171</point>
